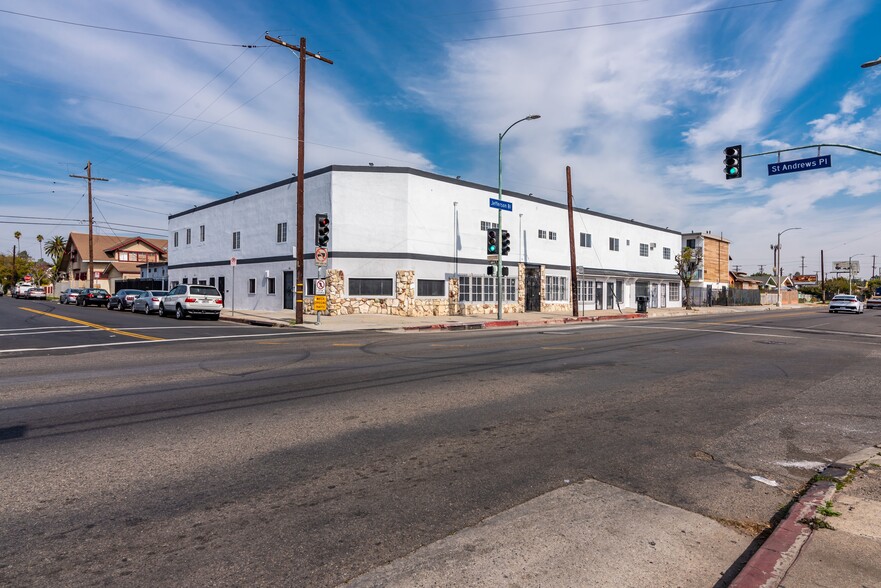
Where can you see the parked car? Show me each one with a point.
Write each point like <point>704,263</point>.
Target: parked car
<point>846,303</point>
<point>191,299</point>
<point>874,302</point>
<point>21,289</point>
<point>89,296</point>
<point>123,299</point>
<point>148,301</point>
<point>69,296</point>
<point>36,293</point>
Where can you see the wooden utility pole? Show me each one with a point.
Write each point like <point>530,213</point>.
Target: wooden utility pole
<point>90,179</point>
<point>573,271</point>
<point>301,145</point>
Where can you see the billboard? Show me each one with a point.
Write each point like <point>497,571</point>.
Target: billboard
<point>806,280</point>
<point>848,266</point>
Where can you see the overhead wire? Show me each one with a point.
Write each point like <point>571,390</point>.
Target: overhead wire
<point>128,31</point>
<point>621,22</point>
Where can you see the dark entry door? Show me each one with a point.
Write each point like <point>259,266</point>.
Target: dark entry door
<point>221,285</point>
<point>533,289</point>
<point>289,290</point>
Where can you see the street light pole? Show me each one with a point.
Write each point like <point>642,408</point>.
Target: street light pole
<point>499,300</point>
<point>850,272</point>
<point>779,258</point>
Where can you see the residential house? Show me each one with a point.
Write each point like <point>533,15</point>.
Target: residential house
<point>113,258</point>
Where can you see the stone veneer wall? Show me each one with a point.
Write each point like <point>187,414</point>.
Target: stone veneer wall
<point>405,302</point>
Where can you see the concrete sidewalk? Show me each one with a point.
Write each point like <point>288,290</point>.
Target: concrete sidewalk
<point>592,534</point>
<point>359,322</point>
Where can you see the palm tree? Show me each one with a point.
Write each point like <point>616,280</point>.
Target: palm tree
<point>55,249</point>
<point>18,239</point>
<point>17,235</point>
<point>40,245</point>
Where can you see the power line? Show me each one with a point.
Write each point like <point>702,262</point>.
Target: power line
<point>621,22</point>
<point>130,32</point>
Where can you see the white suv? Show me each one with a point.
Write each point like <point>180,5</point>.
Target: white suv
<point>192,299</point>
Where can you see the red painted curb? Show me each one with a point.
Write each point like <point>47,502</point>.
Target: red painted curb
<point>767,567</point>
<point>490,324</point>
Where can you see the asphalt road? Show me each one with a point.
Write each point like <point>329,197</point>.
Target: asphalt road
<point>220,454</point>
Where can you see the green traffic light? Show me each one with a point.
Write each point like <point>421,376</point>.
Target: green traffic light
<point>492,248</point>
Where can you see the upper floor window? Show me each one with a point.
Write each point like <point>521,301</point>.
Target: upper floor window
<point>486,225</point>
<point>281,232</point>
<point>585,239</point>
<point>552,235</point>
<point>643,249</point>
<point>666,253</point>
<point>542,234</point>
<point>613,244</point>
<point>202,233</point>
<point>189,236</point>
<point>691,243</point>
<point>237,240</point>
<point>175,239</point>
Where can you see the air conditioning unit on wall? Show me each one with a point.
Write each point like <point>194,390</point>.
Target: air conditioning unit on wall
<point>652,245</point>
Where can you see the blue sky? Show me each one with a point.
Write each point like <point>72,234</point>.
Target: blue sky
<point>638,101</point>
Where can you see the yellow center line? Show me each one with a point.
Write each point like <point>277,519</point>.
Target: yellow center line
<point>95,326</point>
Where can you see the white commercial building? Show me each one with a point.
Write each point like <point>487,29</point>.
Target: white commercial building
<point>409,242</point>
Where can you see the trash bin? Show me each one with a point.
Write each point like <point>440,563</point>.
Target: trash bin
<point>642,303</point>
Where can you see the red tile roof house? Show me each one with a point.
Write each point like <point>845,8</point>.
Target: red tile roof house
<point>114,258</point>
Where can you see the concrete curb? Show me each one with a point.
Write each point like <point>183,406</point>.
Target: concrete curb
<point>768,566</point>
<point>519,323</point>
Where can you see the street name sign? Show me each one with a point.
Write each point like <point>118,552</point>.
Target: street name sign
<point>787,167</point>
<point>500,204</point>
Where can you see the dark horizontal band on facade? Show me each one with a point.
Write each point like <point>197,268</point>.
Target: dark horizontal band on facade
<point>422,257</point>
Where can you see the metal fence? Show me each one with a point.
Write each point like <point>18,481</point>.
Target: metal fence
<point>710,296</point>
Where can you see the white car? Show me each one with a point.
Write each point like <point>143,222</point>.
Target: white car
<point>191,300</point>
<point>846,303</point>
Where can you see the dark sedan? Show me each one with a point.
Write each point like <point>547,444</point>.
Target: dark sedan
<point>123,299</point>
<point>89,296</point>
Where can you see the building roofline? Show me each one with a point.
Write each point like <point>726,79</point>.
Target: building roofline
<point>422,174</point>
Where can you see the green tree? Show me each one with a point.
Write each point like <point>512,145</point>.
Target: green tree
<point>55,250</point>
<point>687,264</point>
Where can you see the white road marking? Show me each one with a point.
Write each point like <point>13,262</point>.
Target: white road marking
<point>804,465</point>
<point>93,345</point>
<point>765,481</point>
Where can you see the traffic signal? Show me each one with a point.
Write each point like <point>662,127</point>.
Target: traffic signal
<point>322,230</point>
<point>733,162</point>
<point>492,242</point>
<point>490,270</point>
<point>506,242</point>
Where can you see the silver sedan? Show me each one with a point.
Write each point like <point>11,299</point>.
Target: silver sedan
<point>148,301</point>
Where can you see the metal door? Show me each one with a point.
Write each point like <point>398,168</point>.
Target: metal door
<point>533,289</point>
<point>289,290</point>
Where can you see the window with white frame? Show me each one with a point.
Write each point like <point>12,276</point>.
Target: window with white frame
<point>585,239</point>
<point>175,239</point>
<point>674,291</point>
<point>252,286</point>
<point>476,288</point>
<point>666,253</point>
<point>555,289</point>
<point>614,245</point>
<point>585,290</point>
<point>281,233</point>
<point>270,285</point>
<point>201,233</point>
<point>487,225</point>
<point>643,249</point>
<point>189,236</point>
<point>542,234</point>
<point>552,235</point>
<point>237,240</point>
